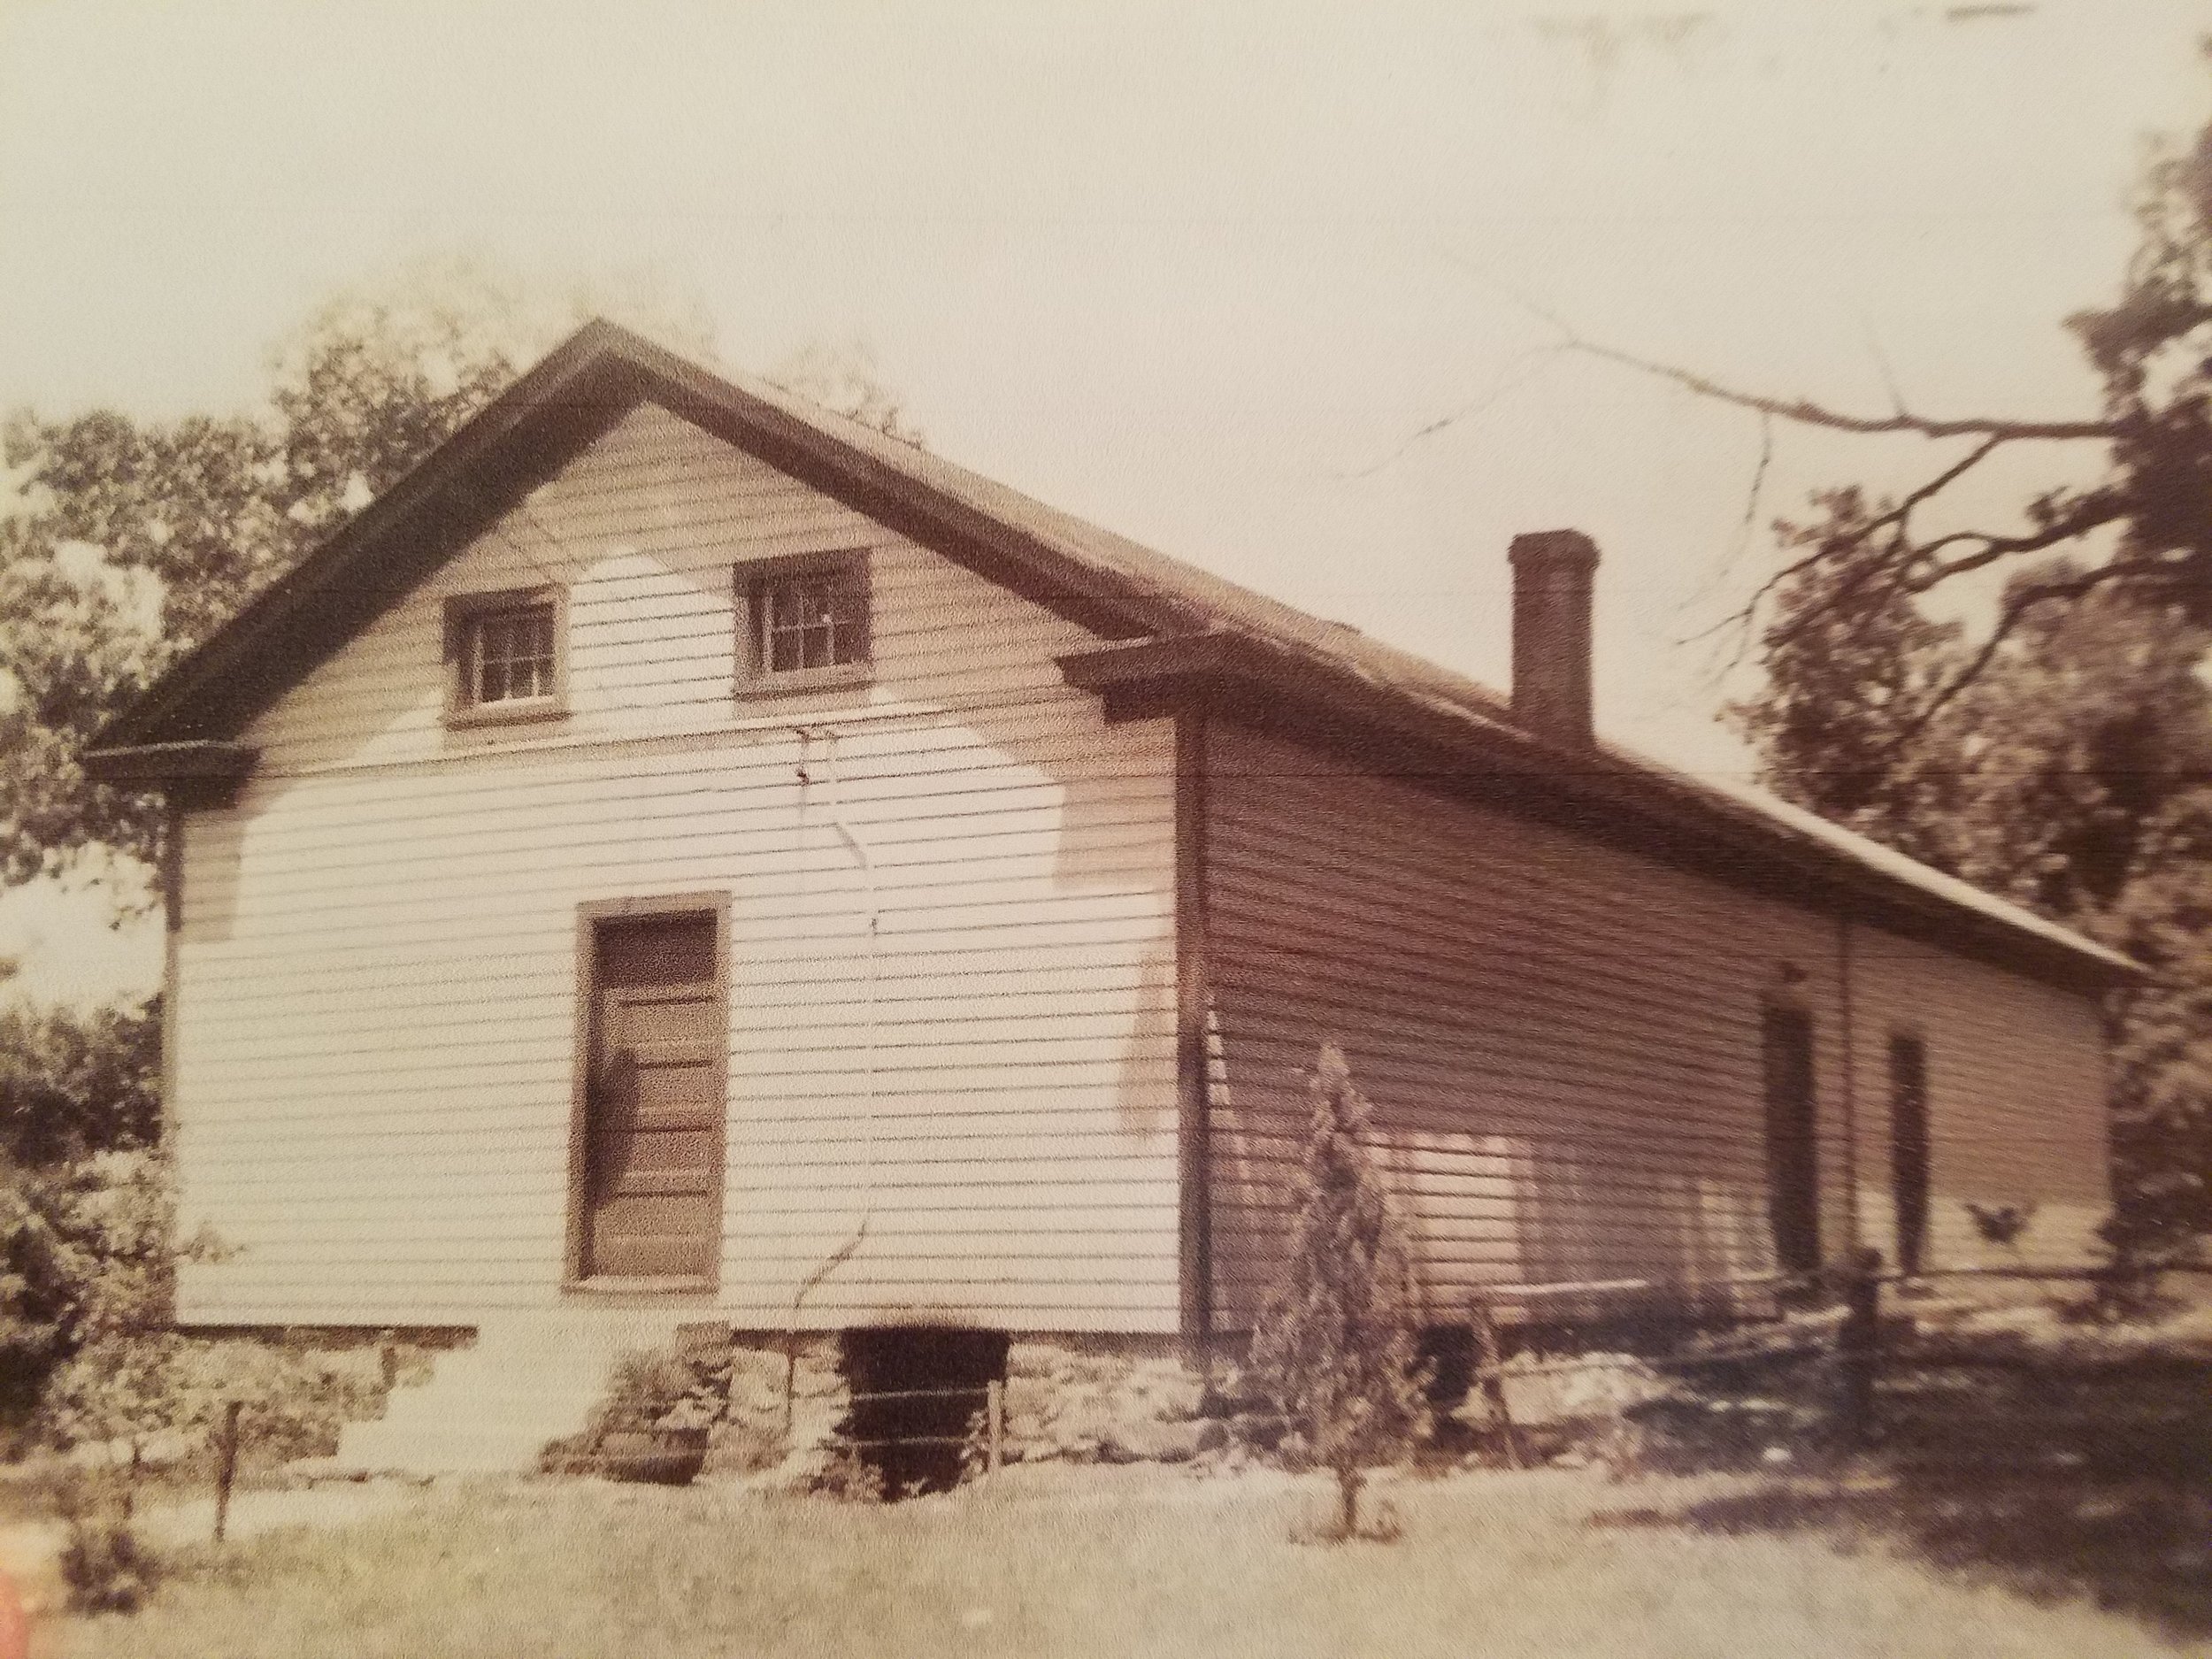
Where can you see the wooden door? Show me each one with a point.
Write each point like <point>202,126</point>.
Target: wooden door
<point>654,1105</point>
<point>1792,1139</point>
<point>1908,1147</point>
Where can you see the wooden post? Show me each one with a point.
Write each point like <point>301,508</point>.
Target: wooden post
<point>227,1469</point>
<point>994,1423</point>
<point>1860,1345</point>
<point>1487,1362</point>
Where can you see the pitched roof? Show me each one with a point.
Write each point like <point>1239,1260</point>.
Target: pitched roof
<point>1173,625</point>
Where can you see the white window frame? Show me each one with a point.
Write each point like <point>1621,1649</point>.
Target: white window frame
<point>466,617</point>
<point>754,586</point>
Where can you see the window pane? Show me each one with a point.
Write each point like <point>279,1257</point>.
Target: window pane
<point>513,651</point>
<point>813,620</point>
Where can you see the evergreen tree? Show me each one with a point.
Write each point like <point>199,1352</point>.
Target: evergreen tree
<point>1334,1348</point>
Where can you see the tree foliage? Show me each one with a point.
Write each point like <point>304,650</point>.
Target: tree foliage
<point>2141,525</point>
<point>132,541</point>
<point>87,1259</point>
<point>1335,1345</point>
<point>2058,753</point>
<point>2072,773</point>
<point>843,378</point>
<point>73,1083</point>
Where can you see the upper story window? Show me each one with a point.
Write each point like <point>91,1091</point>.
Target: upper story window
<point>505,656</point>
<point>805,620</point>
<point>511,655</point>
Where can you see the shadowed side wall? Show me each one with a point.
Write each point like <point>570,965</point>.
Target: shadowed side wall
<point>1563,1041</point>
<point>2011,1066</point>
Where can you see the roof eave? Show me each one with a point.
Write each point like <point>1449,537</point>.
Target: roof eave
<point>170,762</point>
<point>1261,682</point>
<point>576,393</point>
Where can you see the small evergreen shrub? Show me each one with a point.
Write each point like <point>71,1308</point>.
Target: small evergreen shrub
<point>1336,1345</point>
<point>847,1477</point>
<point>656,1392</point>
<point>106,1567</point>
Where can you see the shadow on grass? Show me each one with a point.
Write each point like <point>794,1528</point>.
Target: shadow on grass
<point>2139,1547</point>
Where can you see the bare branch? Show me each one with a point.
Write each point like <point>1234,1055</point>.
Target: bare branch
<point>1811,414</point>
<point>1942,480</point>
<point>1881,361</point>
<point>2017,605</point>
<point>1896,518</point>
<point>1758,483</point>
<point>1504,383</point>
<point>1740,619</point>
<point>2088,514</point>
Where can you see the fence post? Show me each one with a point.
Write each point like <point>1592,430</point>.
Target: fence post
<point>1860,1344</point>
<point>994,1421</point>
<point>1489,1361</point>
<point>228,1469</point>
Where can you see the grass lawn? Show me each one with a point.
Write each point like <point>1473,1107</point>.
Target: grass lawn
<point>1095,1562</point>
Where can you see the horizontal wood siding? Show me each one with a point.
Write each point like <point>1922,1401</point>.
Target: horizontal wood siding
<point>378,996</point>
<point>2010,1064</point>
<point>1561,1040</point>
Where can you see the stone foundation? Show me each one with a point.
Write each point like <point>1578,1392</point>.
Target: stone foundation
<point>1071,1398</point>
<point>759,1430</point>
<point>1085,1399</point>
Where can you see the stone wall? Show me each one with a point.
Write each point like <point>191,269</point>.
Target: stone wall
<point>758,1431</point>
<point>1074,1398</point>
<point>1103,1399</point>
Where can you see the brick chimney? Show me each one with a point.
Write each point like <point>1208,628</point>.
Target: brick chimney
<point>1552,585</point>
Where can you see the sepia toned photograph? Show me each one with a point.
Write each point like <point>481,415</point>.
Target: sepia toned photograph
<point>1079,829</point>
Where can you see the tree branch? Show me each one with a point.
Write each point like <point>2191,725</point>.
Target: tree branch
<point>1897,519</point>
<point>1931,570</point>
<point>2017,607</point>
<point>1810,414</point>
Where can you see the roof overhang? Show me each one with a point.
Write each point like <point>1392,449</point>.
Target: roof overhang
<point>1309,698</point>
<point>194,771</point>
<point>521,439</point>
<point>1173,638</point>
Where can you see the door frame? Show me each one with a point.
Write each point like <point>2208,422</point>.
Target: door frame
<point>1794,1172</point>
<point>590,915</point>
<point>1924,1170</point>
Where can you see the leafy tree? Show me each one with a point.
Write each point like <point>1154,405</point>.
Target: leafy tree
<point>86,1260</point>
<point>843,378</point>
<point>133,540</point>
<point>2071,772</point>
<point>2143,525</point>
<point>74,1083</point>
<point>2059,753</point>
<point>1335,1345</point>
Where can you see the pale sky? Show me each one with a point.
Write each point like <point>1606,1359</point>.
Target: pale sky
<point>1196,273</point>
